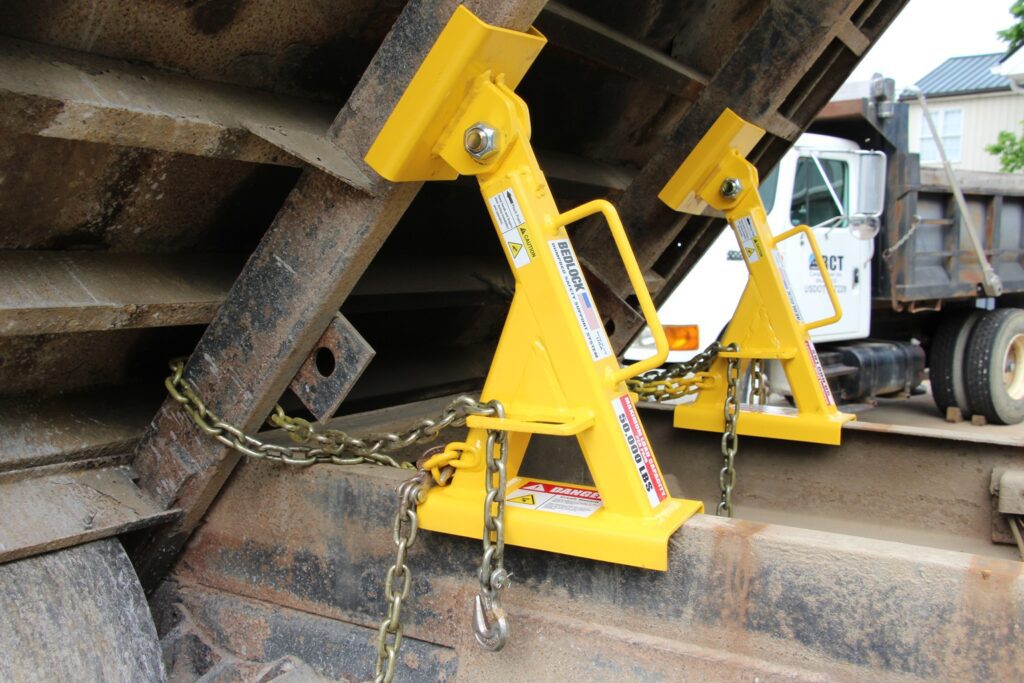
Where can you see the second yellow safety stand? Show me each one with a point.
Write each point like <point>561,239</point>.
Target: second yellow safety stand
<point>554,371</point>
<point>767,324</point>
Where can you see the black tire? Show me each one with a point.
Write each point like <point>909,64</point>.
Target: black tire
<point>995,366</point>
<point>946,360</point>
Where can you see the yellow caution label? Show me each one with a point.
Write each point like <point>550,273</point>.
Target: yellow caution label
<point>515,248</point>
<point>523,500</point>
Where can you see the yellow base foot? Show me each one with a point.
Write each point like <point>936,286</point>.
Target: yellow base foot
<point>772,422</point>
<point>562,518</point>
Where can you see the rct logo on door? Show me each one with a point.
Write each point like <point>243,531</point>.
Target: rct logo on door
<point>833,262</point>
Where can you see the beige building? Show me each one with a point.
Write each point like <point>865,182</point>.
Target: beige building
<point>970,104</point>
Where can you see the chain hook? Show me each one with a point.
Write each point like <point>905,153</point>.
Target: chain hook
<point>490,624</point>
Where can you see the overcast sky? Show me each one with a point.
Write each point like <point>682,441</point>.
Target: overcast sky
<point>927,32</point>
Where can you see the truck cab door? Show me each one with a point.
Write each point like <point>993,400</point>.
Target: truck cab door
<point>825,185</point>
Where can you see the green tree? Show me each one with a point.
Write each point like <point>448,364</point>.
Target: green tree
<point>1014,35</point>
<point>1010,150</point>
<point>1009,147</point>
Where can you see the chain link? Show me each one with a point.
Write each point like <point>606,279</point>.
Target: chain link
<point>914,222</point>
<point>678,379</point>
<point>315,445</point>
<point>339,448</point>
<point>730,440</point>
<point>398,580</point>
<point>490,625</point>
<point>758,383</point>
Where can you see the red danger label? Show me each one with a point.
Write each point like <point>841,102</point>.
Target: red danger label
<point>640,450</point>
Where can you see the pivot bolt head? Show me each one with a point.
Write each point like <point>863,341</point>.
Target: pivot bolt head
<point>481,141</point>
<point>731,188</point>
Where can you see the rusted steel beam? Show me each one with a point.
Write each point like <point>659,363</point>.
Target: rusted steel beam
<point>303,269</point>
<point>789,53</point>
<point>59,93</point>
<point>740,600</point>
<point>44,511</point>
<point>577,32</point>
<point>50,292</point>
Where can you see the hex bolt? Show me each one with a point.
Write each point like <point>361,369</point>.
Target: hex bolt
<point>731,188</point>
<point>481,141</point>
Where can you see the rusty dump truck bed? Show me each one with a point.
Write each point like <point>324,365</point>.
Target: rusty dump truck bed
<point>187,179</point>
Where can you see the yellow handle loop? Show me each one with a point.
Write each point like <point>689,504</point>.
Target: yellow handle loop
<point>636,279</point>
<point>837,311</point>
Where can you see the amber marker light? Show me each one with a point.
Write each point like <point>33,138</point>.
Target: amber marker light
<point>683,337</point>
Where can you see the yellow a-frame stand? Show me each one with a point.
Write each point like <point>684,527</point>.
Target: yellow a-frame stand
<point>767,323</point>
<point>554,371</point>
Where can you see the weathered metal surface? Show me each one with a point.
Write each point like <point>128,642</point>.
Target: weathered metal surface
<point>50,292</point>
<point>337,360</point>
<point>741,599</point>
<point>40,512</point>
<point>61,194</point>
<point>59,93</point>
<point>48,431</point>
<point>320,243</point>
<point>76,615</point>
<point>303,47</point>
<point>207,632</point>
<point>576,31</point>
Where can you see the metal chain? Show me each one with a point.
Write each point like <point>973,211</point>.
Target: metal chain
<point>730,440</point>
<point>315,445</point>
<point>337,447</point>
<point>490,624</point>
<point>758,382</point>
<point>398,581</point>
<point>914,222</point>
<point>678,379</point>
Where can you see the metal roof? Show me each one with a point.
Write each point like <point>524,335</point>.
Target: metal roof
<point>963,75</point>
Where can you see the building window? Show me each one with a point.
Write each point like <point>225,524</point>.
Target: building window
<point>950,124</point>
<point>813,200</point>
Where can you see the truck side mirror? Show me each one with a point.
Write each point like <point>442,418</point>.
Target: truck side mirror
<point>871,199</point>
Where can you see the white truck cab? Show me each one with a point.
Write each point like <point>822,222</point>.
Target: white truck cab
<point>826,182</point>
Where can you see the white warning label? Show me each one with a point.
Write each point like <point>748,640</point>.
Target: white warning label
<point>580,299</point>
<point>749,243</point>
<point>820,372</point>
<point>561,499</point>
<point>512,224</point>
<point>785,283</point>
<point>640,449</point>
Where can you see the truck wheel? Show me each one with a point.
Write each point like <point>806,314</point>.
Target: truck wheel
<point>995,366</point>
<point>946,361</point>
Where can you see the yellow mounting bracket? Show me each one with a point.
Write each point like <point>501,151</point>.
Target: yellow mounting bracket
<point>554,370</point>
<point>767,323</point>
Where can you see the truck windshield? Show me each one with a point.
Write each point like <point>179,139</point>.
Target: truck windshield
<point>813,200</point>
<point>767,189</point>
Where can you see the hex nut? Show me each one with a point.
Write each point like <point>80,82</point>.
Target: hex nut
<point>731,188</point>
<point>481,141</point>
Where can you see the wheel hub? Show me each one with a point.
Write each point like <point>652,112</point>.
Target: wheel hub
<point>1013,368</point>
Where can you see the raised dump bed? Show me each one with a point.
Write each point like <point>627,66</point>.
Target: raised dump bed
<point>187,179</point>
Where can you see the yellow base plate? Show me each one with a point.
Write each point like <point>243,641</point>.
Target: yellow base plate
<point>772,422</point>
<point>602,535</point>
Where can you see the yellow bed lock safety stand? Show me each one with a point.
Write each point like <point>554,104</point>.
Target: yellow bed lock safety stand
<point>767,323</point>
<point>554,370</point>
